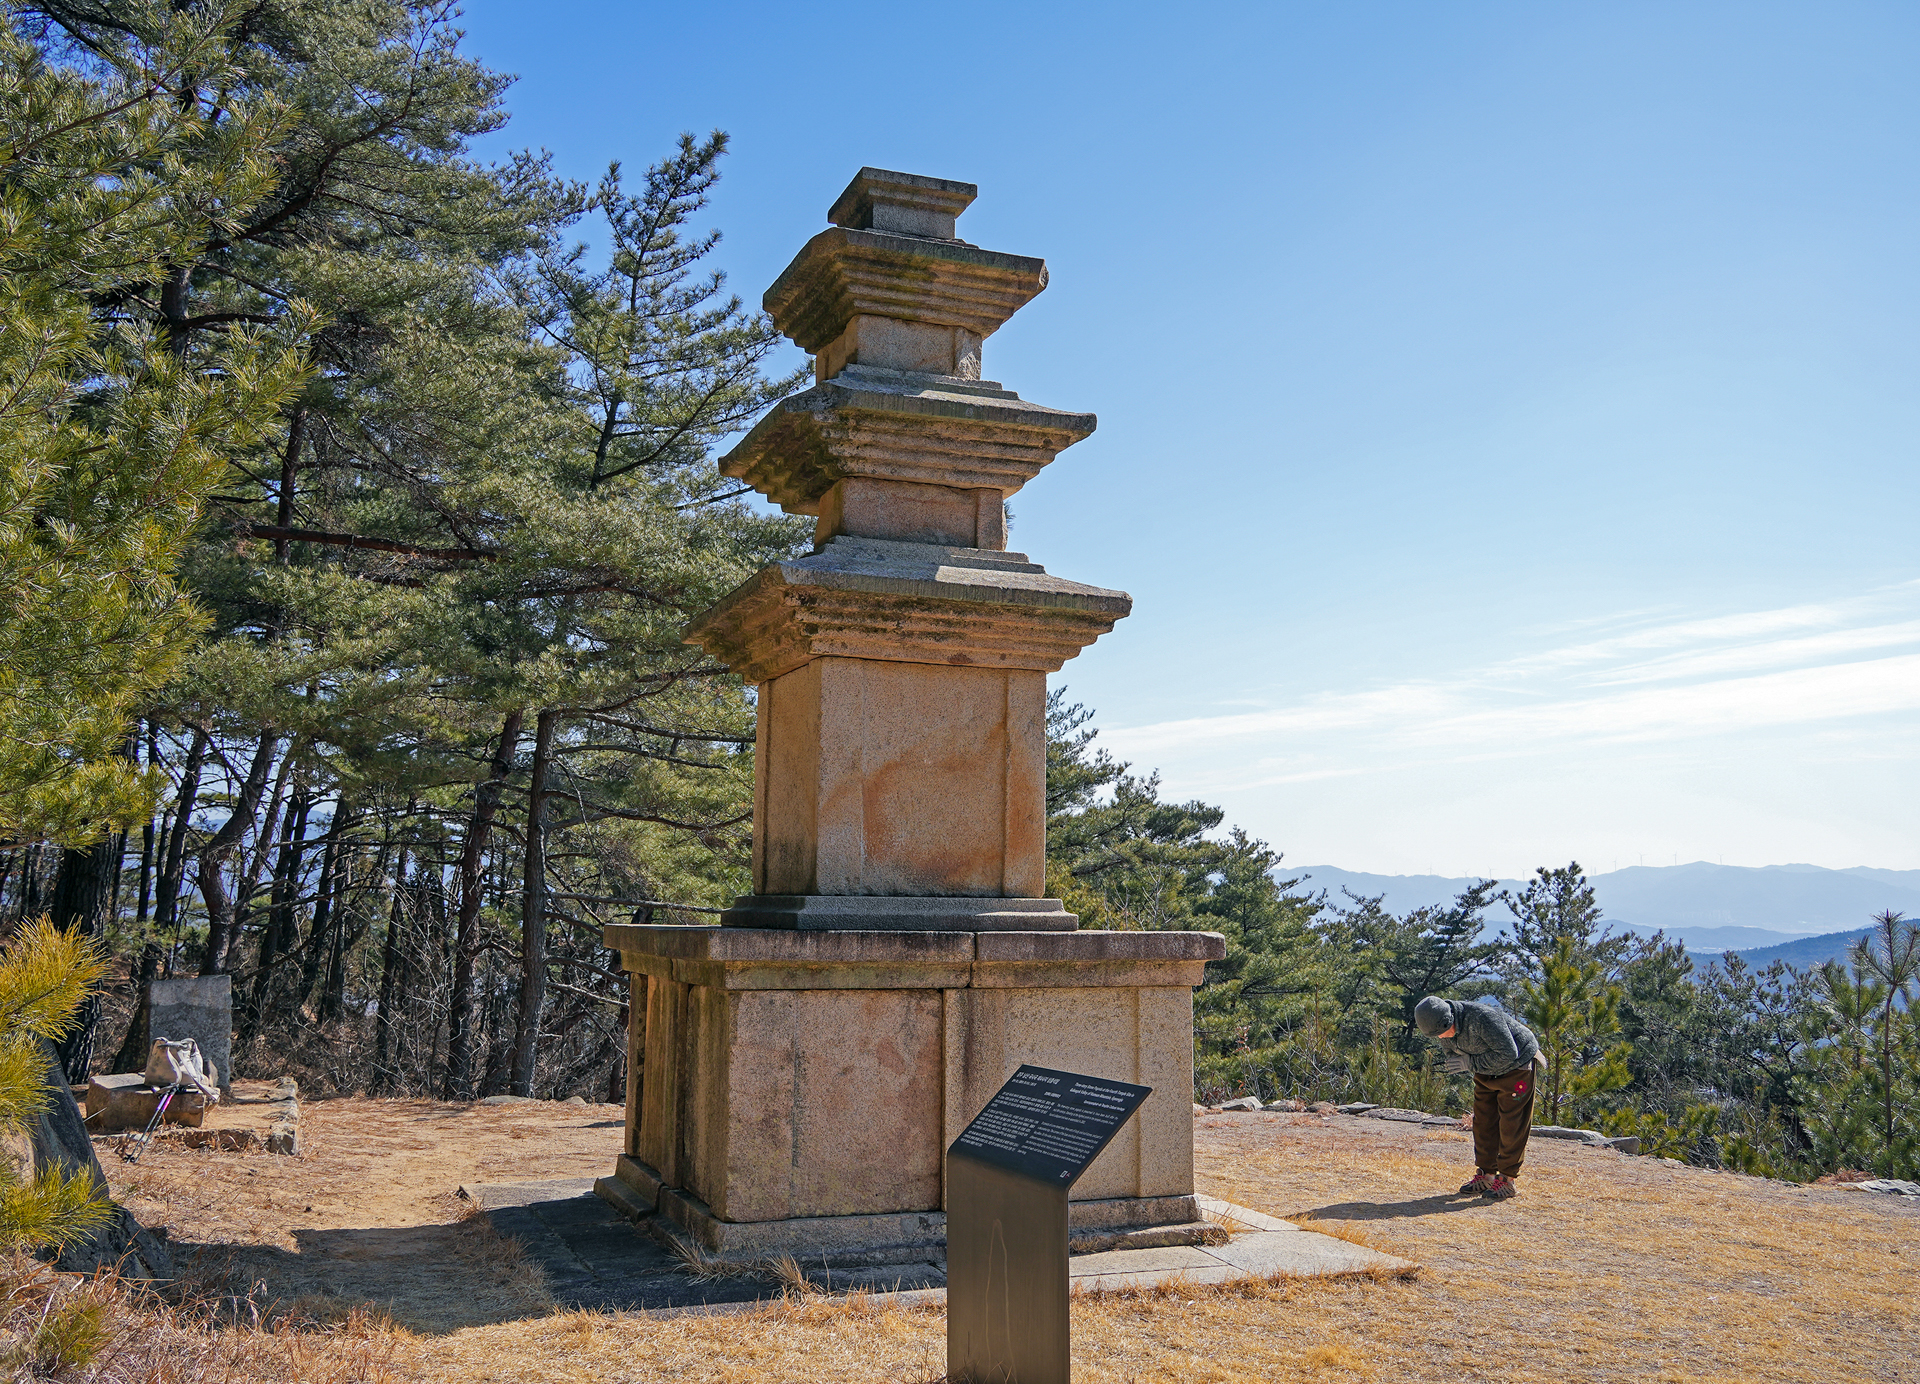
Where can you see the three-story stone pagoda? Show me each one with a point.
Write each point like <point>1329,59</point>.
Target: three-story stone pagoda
<point>796,1074</point>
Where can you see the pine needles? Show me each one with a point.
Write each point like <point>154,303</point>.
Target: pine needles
<point>44,975</point>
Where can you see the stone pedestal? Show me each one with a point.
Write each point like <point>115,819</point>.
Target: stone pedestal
<point>796,1074</point>
<point>125,1101</point>
<point>795,1091</point>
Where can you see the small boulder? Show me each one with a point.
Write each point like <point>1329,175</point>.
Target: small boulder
<point>1358,1107</point>
<point>1243,1103</point>
<point>1322,1107</point>
<point>1582,1136</point>
<point>1286,1106</point>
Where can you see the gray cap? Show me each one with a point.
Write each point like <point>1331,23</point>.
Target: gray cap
<point>1433,1015</point>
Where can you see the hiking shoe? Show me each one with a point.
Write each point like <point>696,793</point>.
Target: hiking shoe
<point>1480,1183</point>
<point>1499,1188</point>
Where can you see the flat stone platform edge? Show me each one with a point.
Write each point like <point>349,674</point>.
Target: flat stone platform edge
<point>902,913</point>
<point>638,1192</point>
<point>911,959</point>
<point>1263,1247</point>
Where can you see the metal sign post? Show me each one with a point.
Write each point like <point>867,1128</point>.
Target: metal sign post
<point>1008,1175</point>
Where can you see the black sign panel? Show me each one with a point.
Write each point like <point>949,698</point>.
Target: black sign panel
<point>1049,1125</point>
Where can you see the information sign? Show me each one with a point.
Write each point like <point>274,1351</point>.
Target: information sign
<point>1007,1180</point>
<point>1050,1125</point>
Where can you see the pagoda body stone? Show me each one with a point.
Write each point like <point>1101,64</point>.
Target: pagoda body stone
<point>796,1074</point>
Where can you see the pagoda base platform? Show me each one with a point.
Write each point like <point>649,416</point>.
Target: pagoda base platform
<point>797,1089</point>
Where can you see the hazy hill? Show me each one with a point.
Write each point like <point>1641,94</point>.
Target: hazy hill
<point>1710,907</point>
<point>1802,951</point>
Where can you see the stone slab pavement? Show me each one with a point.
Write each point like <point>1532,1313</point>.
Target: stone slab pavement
<point>596,1259</point>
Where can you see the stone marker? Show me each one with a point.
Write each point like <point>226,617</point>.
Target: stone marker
<point>795,1075</point>
<point>1008,1177</point>
<point>200,1008</point>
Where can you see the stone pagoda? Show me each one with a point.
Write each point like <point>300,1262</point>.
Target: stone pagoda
<point>796,1074</point>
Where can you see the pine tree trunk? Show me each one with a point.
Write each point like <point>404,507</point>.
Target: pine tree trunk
<point>253,862</point>
<point>148,841</point>
<point>315,951</point>
<point>533,914</point>
<point>466,941</point>
<point>278,936</point>
<point>143,891</point>
<point>350,925</point>
<point>166,903</point>
<point>217,851</point>
<point>390,964</point>
<point>82,897</point>
<point>289,477</point>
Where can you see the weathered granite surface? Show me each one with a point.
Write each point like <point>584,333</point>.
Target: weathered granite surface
<point>200,1008</point>
<point>906,603</point>
<point>788,1074</point>
<point>127,1101</point>
<point>901,749</point>
<point>872,422</point>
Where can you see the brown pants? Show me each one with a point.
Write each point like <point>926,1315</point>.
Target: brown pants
<point>1502,1119</point>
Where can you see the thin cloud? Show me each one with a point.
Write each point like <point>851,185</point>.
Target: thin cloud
<point>1747,658</point>
<point>1796,665</point>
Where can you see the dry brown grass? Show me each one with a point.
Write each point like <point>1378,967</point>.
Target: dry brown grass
<point>1605,1268</point>
<point>134,1337</point>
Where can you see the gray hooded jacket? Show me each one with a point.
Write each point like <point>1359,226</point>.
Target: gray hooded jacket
<point>1493,1041</point>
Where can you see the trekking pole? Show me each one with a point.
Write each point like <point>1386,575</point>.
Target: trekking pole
<point>137,1143</point>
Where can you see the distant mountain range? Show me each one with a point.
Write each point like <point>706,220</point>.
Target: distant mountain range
<point>1801,952</point>
<point>1802,914</point>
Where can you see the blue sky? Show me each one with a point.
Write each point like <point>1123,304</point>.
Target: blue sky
<point>1508,412</point>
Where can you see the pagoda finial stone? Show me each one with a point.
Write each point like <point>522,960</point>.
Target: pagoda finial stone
<point>879,199</point>
<point>889,287</point>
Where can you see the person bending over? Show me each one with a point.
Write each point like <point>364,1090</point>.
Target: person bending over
<point>1502,1054</point>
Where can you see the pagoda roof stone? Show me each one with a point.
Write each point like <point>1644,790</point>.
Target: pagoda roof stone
<point>905,602</point>
<point>844,273</point>
<point>900,425</point>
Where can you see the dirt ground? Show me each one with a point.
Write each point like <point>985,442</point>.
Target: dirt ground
<point>369,1211</point>
<point>1606,1268</point>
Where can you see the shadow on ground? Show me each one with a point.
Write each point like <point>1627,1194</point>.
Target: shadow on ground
<point>520,1260</point>
<point>1395,1210</point>
<point>428,1278</point>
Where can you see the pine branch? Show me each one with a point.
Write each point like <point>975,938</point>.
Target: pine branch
<point>243,529</point>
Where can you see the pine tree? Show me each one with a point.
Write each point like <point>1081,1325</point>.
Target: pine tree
<point>1575,1013</point>
<point>111,436</point>
<point>45,976</point>
<point>619,541</point>
<point>1559,903</point>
